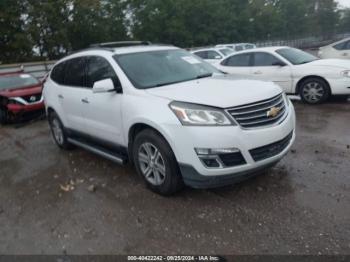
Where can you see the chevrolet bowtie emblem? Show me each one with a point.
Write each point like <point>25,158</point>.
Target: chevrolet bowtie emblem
<point>273,112</point>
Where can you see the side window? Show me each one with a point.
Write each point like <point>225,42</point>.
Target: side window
<point>347,45</point>
<point>202,54</point>
<point>340,46</point>
<point>98,69</point>
<point>264,59</point>
<point>214,55</point>
<point>242,60</point>
<point>239,48</point>
<point>75,72</point>
<point>57,73</point>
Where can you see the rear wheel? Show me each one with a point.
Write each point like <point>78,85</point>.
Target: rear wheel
<point>156,164</point>
<point>3,116</point>
<point>58,131</point>
<point>314,91</point>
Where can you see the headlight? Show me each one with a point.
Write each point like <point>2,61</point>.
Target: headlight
<point>346,73</point>
<point>197,115</point>
<point>286,98</point>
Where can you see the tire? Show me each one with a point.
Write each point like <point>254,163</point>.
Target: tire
<point>155,162</point>
<point>58,131</point>
<point>314,91</point>
<point>3,117</point>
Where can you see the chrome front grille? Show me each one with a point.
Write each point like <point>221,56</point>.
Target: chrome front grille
<point>264,113</point>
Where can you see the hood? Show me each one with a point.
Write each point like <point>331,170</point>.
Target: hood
<point>23,91</point>
<point>218,91</point>
<point>338,63</point>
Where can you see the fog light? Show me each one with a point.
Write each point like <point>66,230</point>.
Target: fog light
<point>210,162</point>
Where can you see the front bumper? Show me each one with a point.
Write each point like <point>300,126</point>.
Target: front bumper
<point>20,109</point>
<point>195,174</point>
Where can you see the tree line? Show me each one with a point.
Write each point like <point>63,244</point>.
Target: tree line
<point>49,29</point>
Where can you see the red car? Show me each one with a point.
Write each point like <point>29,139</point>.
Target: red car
<point>20,95</point>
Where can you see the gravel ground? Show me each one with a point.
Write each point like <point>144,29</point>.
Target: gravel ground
<point>299,207</point>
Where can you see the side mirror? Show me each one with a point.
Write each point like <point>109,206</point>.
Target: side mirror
<point>280,63</point>
<point>103,86</point>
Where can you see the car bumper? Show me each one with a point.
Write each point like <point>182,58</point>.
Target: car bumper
<point>340,86</point>
<point>195,174</point>
<point>20,109</point>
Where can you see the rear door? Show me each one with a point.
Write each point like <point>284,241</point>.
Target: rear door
<point>268,67</point>
<point>237,64</point>
<point>72,92</point>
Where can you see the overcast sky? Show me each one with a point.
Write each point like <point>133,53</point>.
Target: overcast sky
<point>345,3</point>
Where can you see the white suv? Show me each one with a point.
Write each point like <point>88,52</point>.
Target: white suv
<point>175,117</point>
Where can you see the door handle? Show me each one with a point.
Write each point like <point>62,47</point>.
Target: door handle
<point>60,97</point>
<point>257,73</point>
<point>85,100</point>
<point>345,54</point>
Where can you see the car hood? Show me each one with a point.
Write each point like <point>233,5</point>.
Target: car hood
<point>218,91</point>
<point>24,91</point>
<point>338,63</point>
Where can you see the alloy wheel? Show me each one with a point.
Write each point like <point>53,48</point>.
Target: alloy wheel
<point>151,163</point>
<point>57,131</point>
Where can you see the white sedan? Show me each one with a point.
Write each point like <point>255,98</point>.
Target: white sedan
<point>295,71</point>
<point>213,55</point>
<point>340,49</point>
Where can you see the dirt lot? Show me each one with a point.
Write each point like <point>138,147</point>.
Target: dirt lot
<point>299,207</point>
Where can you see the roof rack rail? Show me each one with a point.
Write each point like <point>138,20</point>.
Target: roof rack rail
<point>120,44</point>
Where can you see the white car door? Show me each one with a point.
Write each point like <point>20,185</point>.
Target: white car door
<point>268,67</point>
<point>71,93</point>
<point>103,115</point>
<point>236,64</point>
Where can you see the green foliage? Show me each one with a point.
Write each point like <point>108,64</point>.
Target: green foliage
<point>52,28</point>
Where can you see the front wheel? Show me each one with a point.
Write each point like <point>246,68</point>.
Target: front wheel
<point>314,91</point>
<point>156,164</point>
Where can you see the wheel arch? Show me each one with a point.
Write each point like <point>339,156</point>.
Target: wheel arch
<point>300,82</point>
<point>138,127</point>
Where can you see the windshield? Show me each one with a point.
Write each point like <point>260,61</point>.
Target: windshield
<point>17,81</point>
<point>296,56</point>
<point>226,51</point>
<point>159,68</point>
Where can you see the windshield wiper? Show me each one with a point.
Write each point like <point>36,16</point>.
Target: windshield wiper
<point>204,75</point>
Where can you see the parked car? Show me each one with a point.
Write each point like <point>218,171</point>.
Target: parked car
<point>340,49</point>
<point>213,55</point>
<point>20,94</point>
<point>177,118</point>
<point>294,70</point>
<point>238,46</point>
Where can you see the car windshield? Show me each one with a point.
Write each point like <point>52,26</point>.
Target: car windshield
<point>226,51</point>
<point>160,68</point>
<point>17,81</point>
<point>296,56</point>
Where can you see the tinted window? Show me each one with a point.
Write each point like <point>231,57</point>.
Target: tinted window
<point>238,60</point>
<point>98,69</point>
<point>202,54</point>
<point>341,46</point>
<point>214,55</point>
<point>75,72</point>
<point>347,45</point>
<point>239,48</point>
<point>264,59</point>
<point>57,73</point>
<point>226,51</point>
